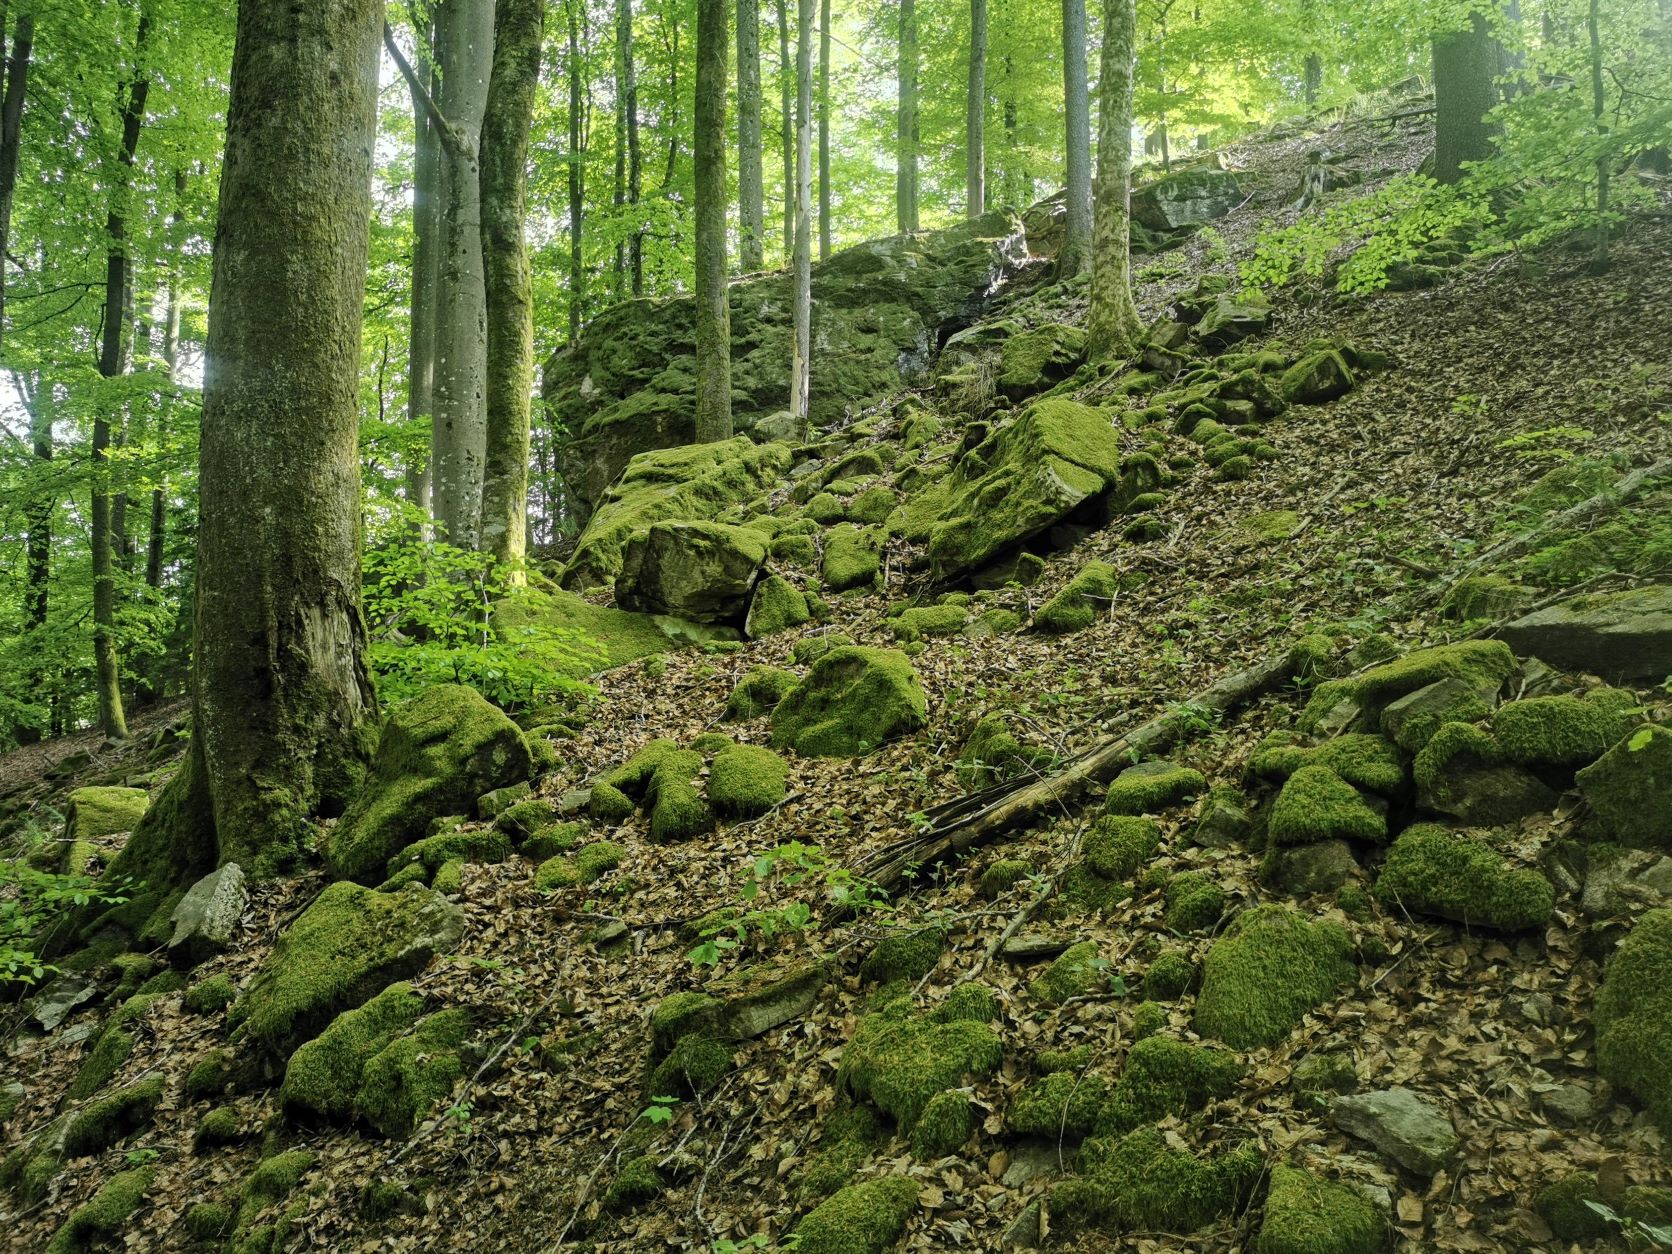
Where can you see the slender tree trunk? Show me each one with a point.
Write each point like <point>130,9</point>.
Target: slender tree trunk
<point>1112,326</point>
<point>619,199</point>
<point>1076,240</point>
<point>975,115</point>
<point>283,712</point>
<point>464,48</point>
<point>714,415</point>
<point>751,209</point>
<point>426,227</point>
<point>801,359</point>
<point>824,130</point>
<point>1599,106</point>
<point>112,719</point>
<point>577,173</point>
<point>786,127</point>
<point>11,135</point>
<point>1314,78</point>
<point>670,20</point>
<point>518,32</point>
<point>1016,188</point>
<point>905,152</point>
<point>37,577</point>
<point>635,162</point>
<point>1464,93</point>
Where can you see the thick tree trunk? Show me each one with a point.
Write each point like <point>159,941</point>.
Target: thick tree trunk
<point>905,150</point>
<point>1076,240</point>
<point>975,115</point>
<point>464,48</point>
<point>426,226</point>
<point>1465,64</point>
<point>282,701</point>
<point>786,127</point>
<point>824,130</point>
<point>1112,326</point>
<point>577,172</point>
<point>751,209</point>
<point>519,28</point>
<point>801,359</point>
<point>714,416</point>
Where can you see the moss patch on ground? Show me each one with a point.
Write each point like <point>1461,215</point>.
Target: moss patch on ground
<point>1269,968</point>
<point>1433,871</point>
<point>1634,1016</point>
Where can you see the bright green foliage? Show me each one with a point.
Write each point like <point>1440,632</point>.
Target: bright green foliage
<point>759,692</point>
<point>745,781</point>
<point>1317,804</point>
<point>1170,976</point>
<point>1137,1182</point>
<point>945,1124</point>
<point>998,878</point>
<point>1633,1016</point>
<point>1306,1215</point>
<point>848,1135</point>
<point>899,1059</point>
<point>1564,731</point>
<point>438,752</point>
<point>1483,664</point>
<point>1368,762</point>
<point>863,1218</point>
<point>904,956</point>
<point>100,1220</point>
<point>1060,1104</point>
<point>210,995</point>
<point>350,944</point>
<point>405,1080</point>
<point>101,1124</point>
<point>1432,871</point>
<point>323,1076</point>
<point>1562,1205</point>
<point>221,1126</point>
<point>1150,787</point>
<point>851,701</point>
<point>1630,787</point>
<point>588,864</point>
<point>1077,971</point>
<point>1269,968</point>
<point>993,754</point>
<point>929,620</point>
<point>1195,902</point>
<point>639,1181</point>
<point>1164,1076</point>
<point>1119,845</point>
<point>695,1064</point>
<point>1082,599</point>
<point>776,606</point>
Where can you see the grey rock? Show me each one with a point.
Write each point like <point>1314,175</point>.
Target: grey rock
<point>208,915</point>
<point>1035,946</point>
<point>757,999</point>
<point>1223,824</point>
<point>1412,720</point>
<point>1031,1162</point>
<point>53,1004</point>
<point>1231,320</point>
<point>490,805</point>
<point>1303,869</point>
<point>701,571</point>
<point>1568,1104</point>
<point>781,425</point>
<point>1407,1128</point>
<point>1625,882</point>
<point>1620,635</point>
<point>1024,1230</point>
<point>1188,198</point>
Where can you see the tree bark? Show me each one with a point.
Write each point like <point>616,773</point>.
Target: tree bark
<point>975,115</point>
<point>282,701</point>
<point>38,571</point>
<point>426,226</point>
<point>11,136</point>
<point>1599,106</point>
<point>751,209</point>
<point>824,130</point>
<point>1112,325</point>
<point>1314,77</point>
<point>577,173</point>
<point>786,127</point>
<point>519,30</point>
<point>1464,93</point>
<point>464,50</point>
<point>905,150</point>
<point>801,359</point>
<point>714,415</point>
<point>629,105</point>
<point>1076,240</point>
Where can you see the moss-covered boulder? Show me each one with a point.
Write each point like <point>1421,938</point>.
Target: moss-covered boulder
<point>1564,731</point>
<point>1462,772</point>
<point>100,1124</point>
<point>745,781</point>
<point>1087,595</point>
<point>1432,871</point>
<point>1482,664</point>
<point>900,1058</point>
<point>1164,1076</point>
<point>1316,378</point>
<point>1634,1016</point>
<point>1411,721</point>
<point>92,814</point>
<point>867,1218</point>
<point>852,700</point>
<point>1617,635</point>
<point>1151,787</point>
<point>852,557</point>
<point>1630,788</point>
<point>1031,360</point>
<point>1266,972</point>
<point>98,1222</point>
<point>1316,805</point>
<point>776,606</point>
<point>322,1078</point>
<point>346,947</point>
<point>1364,761</point>
<point>1195,902</point>
<point>1118,846</point>
<point>759,692</point>
<point>701,571</point>
<point>1186,198</point>
<point>1139,1182</point>
<point>438,753</point>
<point>993,754</point>
<point>410,1076</point>
<point>1059,1105</point>
<point>1306,1215</point>
<point>1078,970</point>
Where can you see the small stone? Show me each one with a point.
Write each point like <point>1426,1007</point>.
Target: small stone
<point>1568,1104</point>
<point>490,805</point>
<point>1303,869</point>
<point>1023,1232</point>
<point>1222,825</point>
<point>1403,1126</point>
<point>1029,1162</point>
<point>1622,881</point>
<point>52,1005</point>
<point>1034,947</point>
<point>208,915</point>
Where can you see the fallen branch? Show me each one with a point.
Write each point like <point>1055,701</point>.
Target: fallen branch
<point>974,820</point>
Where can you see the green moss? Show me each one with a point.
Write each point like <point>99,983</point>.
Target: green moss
<point>469,846</point>
<point>872,506</point>
<point>639,1181</point>
<point>1077,971</point>
<point>209,996</point>
<point>1364,761</point>
<point>1266,972</point>
<point>92,813</point>
<point>679,1016</point>
<point>100,1219</point>
<point>852,700</point>
<point>1648,1204</point>
<point>1630,788</point>
<point>1432,871</point>
<point>1087,892</point>
<point>946,1123</point>
<point>852,557</point>
<point>1412,720</point>
<point>1634,1016</point>
<point>220,1126</point>
<point>1077,606</point>
<point>905,955</point>
<point>1235,469</point>
<point>101,1124</point>
<point>209,1221</point>
<point>930,620</point>
<point>899,1060</point>
<point>587,865</point>
<point>210,1077</point>
<point>1195,902</point>
<point>745,781</point>
<point>1306,1215</point>
<point>1485,597</point>
<point>759,692</point>
<point>1563,1206</point>
<point>795,551</point>
<point>406,1079</point>
<point>968,1003</point>
<point>1148,1018</point>
<point>1138,1183</point>
<point>1170,976</point>
<point>695,1065</point>
<point>633,777</point>
<point>826,509</point>
<point>1483,664</point>
<point>1317,804</point>
<point>1564,731</point>
<point>849,1134</point>
<point>1316,1076</point>
<point>1164,1076</point>
<point>1354,901</point>
<point>863,1218</point>
<point>1118,845</point>
<point>1061,1104</point>
<point>132,970</point>
<point>272,1181</point>
<point>113,1048</point>
<point>323,1076</point>
<point>776,606</point>
<point>559,838</point>
<point>449,877</point>
<point>993,754</point>
<point>1150,787</point>
<point>523,819</point>
<point>678,811</point>
<point>1002,875</point>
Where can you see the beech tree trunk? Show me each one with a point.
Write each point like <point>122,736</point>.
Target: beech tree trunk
<point>824,130</point>
<point>11,135</point>
<point>577,172</point>
<point>786,127</point>
<point>751,209</point>
<point>1599,107</point>
<point>283,713</point>
<point>1112,325</point>
<point>519,29</point>
<point>801,361</point>
<point>635,158</point>
<point>1076,240</point>
<point>1465,63</point>
<point>975,115</point>
<point>905,152</point>
<point>714,416</point>
<point>1314,78</point>
<point>420,373</point>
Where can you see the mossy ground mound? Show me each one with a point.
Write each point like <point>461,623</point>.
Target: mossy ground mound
<point>899,1058</point>
<point>1634,1016</point>
<point>1270,967</point>
<point>851,701</point>
<point>1433,871</point>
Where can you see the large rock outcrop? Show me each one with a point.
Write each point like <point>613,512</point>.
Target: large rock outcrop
<point>880,310</point>
<point>703,571</point>
<point>1618,635</point>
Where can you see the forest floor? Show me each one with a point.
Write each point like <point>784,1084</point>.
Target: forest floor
<point>1384,494</point>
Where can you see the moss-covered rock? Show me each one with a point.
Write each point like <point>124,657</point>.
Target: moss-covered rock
<point>678,811</point>
<point>1059,1105</point>
<point>469,845</point>
<point>1195,902</point>
<point>1002,875</point>
<point>1119,845</point>
<point>1364,761</point>
<point>946,1123</point>
<point>745,781</point>
<point>694,1065</point>
<point>899,1059</point>
<point>412,1074</point>
<point>1164,1076</point>
<point>1170,976</point>
<point>1316,378</point>
<point>1151,787</point>
<point>866,1218</point>
<point>220,1126</point>
<point>113,1048</point>
<point>100,1219</point>
<point>1563,1205</point>
<point>704,572</point>
<point>210,1075</point>
<point>776,606</point>
<point>1432,871</point>
<point>1266,972</point>
<point>1138,1182</point>
<point>905,955</point>
<point>272,1182</point>
<point>1306,1215</point>
<point>1077,971</point>
<point>1411,721</point>
<point>1462,772</point>
<point>438,752</point>
<point>1317,804</point>
<point>588,864</point>
<point>759,692</point>
<point>1482,664</point>
<point>1031,360</point>
<point>993,754</point>
<point>852,700</point>
<point>929,620</point>
<point>847,1137</point>
<point>92,814</point>
<point>1630,788</point>
<point>322,1077</point>
<point>346,947</point>
<point>99,1125</point>
<point>209,1221</point>
<point>1634,1016</point>
<point>1082,599</point>
<point>852,557</point>
<point>1564,731</point>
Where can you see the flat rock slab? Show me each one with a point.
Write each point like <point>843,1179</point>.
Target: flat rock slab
<point>1620,635</point>
<point>208,915</point>
<point>53,1004</point>
<point>1403,1126</point>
